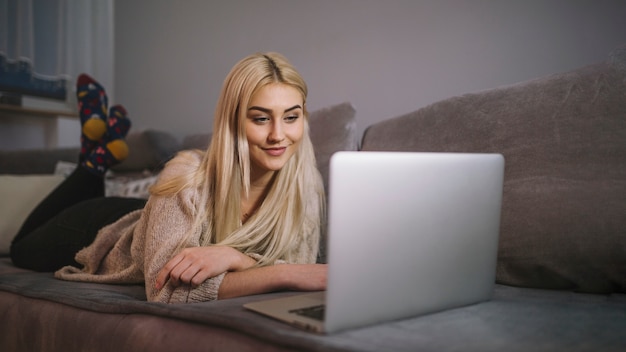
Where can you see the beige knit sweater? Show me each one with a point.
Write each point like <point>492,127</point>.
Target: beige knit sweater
<point>134,249</point>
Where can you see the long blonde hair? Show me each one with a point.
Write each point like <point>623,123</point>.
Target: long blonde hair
<point>224,173</point>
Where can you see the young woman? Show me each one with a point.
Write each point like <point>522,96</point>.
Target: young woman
<point>243,217</point>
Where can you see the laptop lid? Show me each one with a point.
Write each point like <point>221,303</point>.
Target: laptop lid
<point>410,233</point>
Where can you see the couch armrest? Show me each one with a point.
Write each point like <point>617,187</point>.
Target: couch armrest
<point>35,161</point>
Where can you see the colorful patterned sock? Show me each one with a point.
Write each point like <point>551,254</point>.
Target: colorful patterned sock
<point>92,109</point>
<point>112,148</point>
<point>119,123</point>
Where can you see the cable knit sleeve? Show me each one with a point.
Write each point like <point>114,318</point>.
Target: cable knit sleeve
<point>164,223</point>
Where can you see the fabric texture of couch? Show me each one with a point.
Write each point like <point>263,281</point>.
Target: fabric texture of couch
<point>562,256</point>
<point>564,141</point>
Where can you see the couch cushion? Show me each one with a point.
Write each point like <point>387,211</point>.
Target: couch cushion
<point>332,129</point>
<point>563,137</point>
<point>197,141</point>
<point>149,150</point>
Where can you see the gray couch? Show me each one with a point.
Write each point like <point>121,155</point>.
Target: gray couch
<point>561,274</point>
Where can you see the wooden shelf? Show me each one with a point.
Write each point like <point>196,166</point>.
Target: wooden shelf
<point>36,112</point>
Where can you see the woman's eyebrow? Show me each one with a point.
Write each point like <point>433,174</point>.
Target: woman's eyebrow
<point>294,108</point>
<point>269,111</point>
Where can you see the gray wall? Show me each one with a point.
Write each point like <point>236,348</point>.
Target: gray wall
<point>386,57</point>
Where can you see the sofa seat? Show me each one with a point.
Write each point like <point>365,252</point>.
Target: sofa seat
<point>516,319</point>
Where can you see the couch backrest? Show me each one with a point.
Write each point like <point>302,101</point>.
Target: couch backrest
<point>564,140</point>
<point>38,161</point>
<point>149,150</point>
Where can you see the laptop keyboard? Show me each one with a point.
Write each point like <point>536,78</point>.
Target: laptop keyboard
<point>315,312</point>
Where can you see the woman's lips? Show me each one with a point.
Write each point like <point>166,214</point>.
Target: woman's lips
<point>275,151</point>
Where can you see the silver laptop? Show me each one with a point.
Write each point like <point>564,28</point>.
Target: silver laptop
<point>409,234</point>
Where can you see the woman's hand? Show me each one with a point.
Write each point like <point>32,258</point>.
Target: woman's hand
<point>194,265</point>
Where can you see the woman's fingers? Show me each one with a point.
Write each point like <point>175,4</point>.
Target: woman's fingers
<point>165,273</point>
<point>182,272</point>
<point>194,265</point>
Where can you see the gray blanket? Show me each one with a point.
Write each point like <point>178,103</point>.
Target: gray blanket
<point>515,319</point>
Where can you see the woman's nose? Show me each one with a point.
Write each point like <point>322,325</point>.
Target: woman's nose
<point>276,134</point>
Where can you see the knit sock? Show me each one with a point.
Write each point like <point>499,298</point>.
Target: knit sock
<point>119,123</point>
<point>92,108</point>
<point>112,148</point>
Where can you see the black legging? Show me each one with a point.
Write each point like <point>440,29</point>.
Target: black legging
<point>66,221</point>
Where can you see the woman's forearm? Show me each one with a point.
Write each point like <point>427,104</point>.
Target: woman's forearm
<point>297,277</point>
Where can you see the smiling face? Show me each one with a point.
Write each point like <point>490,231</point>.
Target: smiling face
<point>274,128</point>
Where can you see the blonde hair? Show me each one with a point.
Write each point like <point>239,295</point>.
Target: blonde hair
<point>223,176</point>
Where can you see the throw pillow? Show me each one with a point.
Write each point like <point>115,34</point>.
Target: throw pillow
<point>129,187</point>
<point>148,150</point>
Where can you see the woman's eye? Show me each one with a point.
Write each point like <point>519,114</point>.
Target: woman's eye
<point>261,119</point>
<point>291,118</point>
